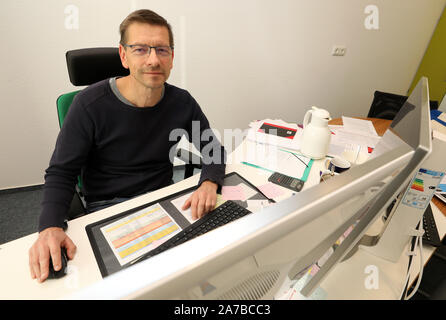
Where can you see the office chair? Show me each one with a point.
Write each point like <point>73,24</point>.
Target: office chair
<point>85,67</point>
<point>386,105</point>
<point>88,66</point>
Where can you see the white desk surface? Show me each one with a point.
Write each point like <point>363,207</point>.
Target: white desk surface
<point>347,279</point>
<point>83,270</point>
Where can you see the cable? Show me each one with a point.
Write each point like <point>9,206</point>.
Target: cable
<point>406,282</point>
<point>421,270</point>
<point>418,242</point>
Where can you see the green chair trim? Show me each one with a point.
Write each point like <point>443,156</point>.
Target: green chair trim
<point>63,104</point>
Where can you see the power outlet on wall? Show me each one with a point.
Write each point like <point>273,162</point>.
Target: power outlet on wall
<point>338,51</point>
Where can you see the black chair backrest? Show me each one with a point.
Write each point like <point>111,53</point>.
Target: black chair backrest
<point>386,105</point>
<point>87,66</point>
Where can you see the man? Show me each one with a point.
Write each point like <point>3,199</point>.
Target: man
<point>117,131</point>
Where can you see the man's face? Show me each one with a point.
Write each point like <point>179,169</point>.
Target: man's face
<point>149,70</point>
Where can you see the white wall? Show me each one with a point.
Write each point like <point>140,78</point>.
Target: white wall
<point>241,60</point>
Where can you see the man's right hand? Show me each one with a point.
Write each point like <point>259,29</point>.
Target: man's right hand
<point>47,246</point>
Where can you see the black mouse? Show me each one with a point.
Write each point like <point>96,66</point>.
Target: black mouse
<point>63,270</point>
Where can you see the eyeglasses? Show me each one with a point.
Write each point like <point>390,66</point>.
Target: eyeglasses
<point>142,49</point>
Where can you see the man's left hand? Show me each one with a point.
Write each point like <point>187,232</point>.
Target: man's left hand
<point>202,200</point>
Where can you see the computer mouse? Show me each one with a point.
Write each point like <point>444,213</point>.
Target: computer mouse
<point>63,270</point>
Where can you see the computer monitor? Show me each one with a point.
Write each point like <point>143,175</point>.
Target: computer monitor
<point>253,257</point>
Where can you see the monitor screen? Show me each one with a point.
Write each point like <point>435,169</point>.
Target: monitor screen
<point>255,256</point>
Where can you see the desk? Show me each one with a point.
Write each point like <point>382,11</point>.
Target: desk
<point>17,283</point>
<point>83,270</point>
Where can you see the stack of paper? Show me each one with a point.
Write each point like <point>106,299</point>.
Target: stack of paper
<point>275,132</point>
<point>441,190</point>
<point>438,124</point>
<point>358,126</point>
<point>354,140</point>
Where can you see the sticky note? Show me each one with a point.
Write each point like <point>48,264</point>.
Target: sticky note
<point>233,193</point>
<point>248,192</point>
<point>271,190</point>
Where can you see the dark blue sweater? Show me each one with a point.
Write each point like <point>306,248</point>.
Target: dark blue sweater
<point>122,150</point>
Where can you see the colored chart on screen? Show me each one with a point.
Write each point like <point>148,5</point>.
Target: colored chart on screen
<point>422,188</point>
<point>418,185</point>
<point>140,232</point>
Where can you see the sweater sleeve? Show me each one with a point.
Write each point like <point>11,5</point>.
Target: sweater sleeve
<point>71,151</point>
<point>212,152</point>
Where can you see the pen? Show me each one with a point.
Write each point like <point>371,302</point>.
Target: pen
<point>357,154</point>
<point>300,160</point>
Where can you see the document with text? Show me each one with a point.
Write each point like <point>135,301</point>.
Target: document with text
<point>139,233</point>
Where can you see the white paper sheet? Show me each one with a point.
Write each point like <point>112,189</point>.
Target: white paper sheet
<point>442,117</point>
<point>178,203</point>
<point>277,160</point>
<point>257,205</point>
<point>359,126</point>
<point>438,126</point>
<point>343,137</point>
